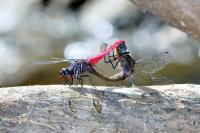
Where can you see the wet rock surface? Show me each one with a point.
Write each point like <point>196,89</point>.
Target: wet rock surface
<point>57,108</point>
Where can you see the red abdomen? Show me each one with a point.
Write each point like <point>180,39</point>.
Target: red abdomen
<point>96,59</point>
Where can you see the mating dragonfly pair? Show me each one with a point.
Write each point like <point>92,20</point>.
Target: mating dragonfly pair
<point>116,55</point>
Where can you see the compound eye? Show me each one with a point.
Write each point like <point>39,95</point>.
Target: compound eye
<point>60,73</point>
<point>63,69</point>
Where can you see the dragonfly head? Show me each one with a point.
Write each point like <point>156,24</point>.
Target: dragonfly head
<point>65,73</point>
<point>122,49</point>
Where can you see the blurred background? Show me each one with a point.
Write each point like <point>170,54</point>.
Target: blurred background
<point>34,30</point>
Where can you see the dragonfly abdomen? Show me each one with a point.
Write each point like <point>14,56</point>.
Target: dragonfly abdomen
<point>118,77</point>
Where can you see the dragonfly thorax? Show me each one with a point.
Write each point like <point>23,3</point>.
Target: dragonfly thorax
<point>127,64</point>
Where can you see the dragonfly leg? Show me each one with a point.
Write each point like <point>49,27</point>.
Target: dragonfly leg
<point>71,82</point>
<point>111,61</point>
<point>64,82</point>
<point>114,57</point>
<point>131,80</point>
<point>114,66</point>
<point>81,79</point>
<point>76,75</point>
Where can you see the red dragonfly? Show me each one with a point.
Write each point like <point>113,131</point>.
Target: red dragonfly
<point>78,68</point>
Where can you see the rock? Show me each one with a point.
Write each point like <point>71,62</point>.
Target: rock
<point>182,14</point>
<point>57,108</point>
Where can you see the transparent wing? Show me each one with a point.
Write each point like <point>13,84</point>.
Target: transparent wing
<point>48,62</point>
<point>54,61</point>
<point>151,78</point>
<point>153,64</point>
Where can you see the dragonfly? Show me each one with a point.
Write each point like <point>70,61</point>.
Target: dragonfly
<point>80,68</point>
<point>129,67</point>
<point>142,68</point>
